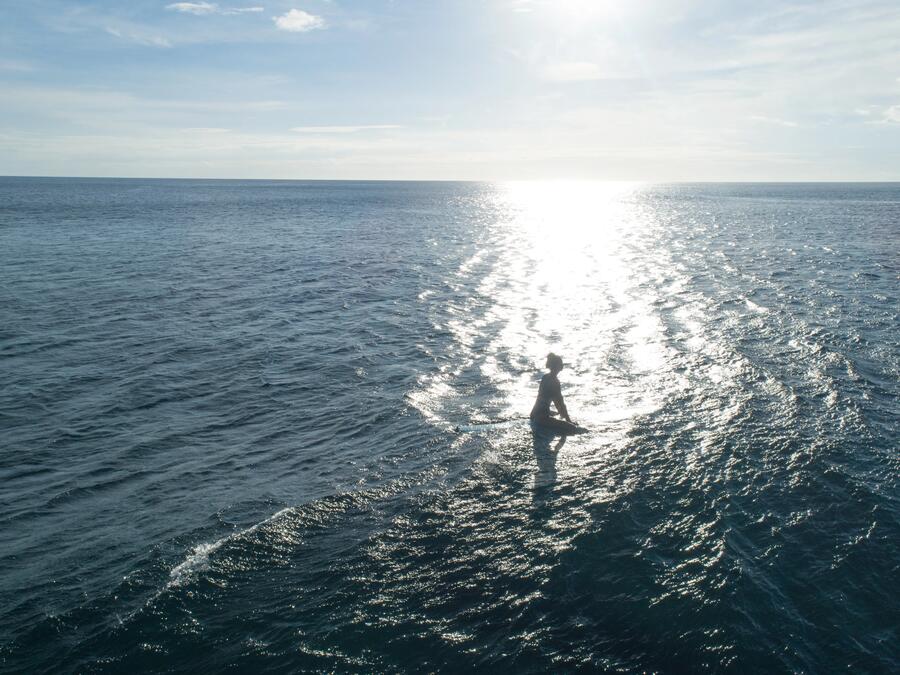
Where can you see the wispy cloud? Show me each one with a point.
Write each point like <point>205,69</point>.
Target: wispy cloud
<point>243,10</point>
<point>205,8</point>
<point>139,38</point>
<point>875,114</point>
<point>572,71</point>
<point>892,114</point>
<point>104,108</point>
<point>198,8</point>
<point>347,129</point>
<point>298,21</point>
<point>773,120</point>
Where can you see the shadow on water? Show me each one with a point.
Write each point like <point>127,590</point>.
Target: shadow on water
<point>545,453</point>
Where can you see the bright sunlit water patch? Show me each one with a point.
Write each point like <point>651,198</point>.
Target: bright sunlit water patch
<point>572,277</point>
<point>279,427</point>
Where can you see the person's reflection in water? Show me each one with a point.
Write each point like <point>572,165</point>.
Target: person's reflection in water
<point>544,456</point>
<point>545,475</point>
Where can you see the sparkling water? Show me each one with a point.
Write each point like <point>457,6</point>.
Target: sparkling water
<point>278,426</point>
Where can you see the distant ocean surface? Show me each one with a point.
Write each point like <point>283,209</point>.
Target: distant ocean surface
<point>229,411</point>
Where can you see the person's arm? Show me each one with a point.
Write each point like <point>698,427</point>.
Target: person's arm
<point>560,403</point>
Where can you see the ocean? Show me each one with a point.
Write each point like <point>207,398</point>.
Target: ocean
<point>257,426</point>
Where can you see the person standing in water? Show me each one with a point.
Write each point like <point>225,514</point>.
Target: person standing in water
<point>551,392</point>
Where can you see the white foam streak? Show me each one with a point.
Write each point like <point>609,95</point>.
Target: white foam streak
<point>198,560</point>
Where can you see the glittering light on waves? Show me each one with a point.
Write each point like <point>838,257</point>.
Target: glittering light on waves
<point>569,282</point>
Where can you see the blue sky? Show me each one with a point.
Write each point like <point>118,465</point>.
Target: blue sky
<point>491,89</point>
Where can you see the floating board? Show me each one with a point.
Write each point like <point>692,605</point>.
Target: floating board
<point>490,426</point>
<point>559,427</point>
<point>555,427</point>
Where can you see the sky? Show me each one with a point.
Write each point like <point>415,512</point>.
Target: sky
<point>662,90</point>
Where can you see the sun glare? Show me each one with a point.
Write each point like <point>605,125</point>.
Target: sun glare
<point>565,283</point>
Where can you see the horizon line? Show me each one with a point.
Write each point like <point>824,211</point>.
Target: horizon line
<point>460,180</point>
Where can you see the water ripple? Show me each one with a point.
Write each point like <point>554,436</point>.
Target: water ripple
<point>254,426</point>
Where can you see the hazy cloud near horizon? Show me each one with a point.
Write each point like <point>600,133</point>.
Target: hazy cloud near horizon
<point>497,89</point>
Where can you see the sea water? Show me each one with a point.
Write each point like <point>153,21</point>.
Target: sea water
<point>229,412</point>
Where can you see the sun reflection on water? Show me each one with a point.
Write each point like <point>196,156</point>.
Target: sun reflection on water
<point>573,279</point>
<point>584,269</point>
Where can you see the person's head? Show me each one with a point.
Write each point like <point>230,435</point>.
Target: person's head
<point>554,363</point>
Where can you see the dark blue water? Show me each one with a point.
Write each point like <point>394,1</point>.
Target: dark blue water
<point>227,415</point>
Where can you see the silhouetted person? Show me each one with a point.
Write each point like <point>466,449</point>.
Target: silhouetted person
<point>550,392</point>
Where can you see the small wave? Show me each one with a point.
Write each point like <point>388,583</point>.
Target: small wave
<point>753,307</point>
<point>198,560</point>
<point>273,532</point>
